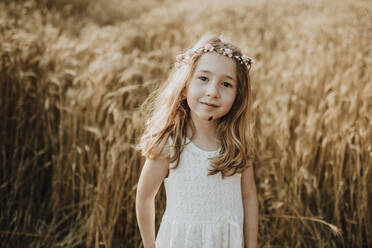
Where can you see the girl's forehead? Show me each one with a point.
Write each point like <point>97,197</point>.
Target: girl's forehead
<point>216,63</point>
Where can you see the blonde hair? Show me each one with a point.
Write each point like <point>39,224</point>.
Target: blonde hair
<point>169,115</point>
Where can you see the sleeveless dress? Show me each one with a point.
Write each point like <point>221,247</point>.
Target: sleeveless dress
<point>202,211</point>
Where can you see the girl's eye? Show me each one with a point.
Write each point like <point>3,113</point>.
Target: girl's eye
<point>202,78</point>
<point>226,84</point>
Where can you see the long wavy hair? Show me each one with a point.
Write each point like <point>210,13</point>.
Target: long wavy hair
<point>169,115</point>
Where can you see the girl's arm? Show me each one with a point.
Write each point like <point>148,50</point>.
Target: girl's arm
<point>250,205</point>
<point>152,176</point>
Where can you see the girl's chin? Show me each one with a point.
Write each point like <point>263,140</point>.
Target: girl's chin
<point>206,116</point>
<point>210,118</point>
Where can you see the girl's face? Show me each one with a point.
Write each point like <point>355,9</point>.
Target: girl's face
<point>211,90</point>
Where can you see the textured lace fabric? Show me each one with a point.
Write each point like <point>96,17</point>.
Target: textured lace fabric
<point>202,211</point>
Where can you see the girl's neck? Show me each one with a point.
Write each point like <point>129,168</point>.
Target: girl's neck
<point>205,135</point>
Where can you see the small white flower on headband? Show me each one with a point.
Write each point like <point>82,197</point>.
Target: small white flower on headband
<point>208,47</point>
<point>189,54</point>
<point>227,52</point>
<point>179,57</point>
<point>247,59</point>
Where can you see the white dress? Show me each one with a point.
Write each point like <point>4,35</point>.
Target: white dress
<point>202,211</point>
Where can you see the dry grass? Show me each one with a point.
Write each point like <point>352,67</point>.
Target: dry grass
<point>72,77</point>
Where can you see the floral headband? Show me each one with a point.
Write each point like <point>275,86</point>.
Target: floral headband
<point>189,54</point>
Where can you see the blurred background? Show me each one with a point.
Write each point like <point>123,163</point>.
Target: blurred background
<point>74,73</point>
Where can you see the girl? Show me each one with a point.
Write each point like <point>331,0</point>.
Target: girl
<point>198,141</point>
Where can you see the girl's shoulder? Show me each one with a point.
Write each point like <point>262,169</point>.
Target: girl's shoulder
<point>163,150</point>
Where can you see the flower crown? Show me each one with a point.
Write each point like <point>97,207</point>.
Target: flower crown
<point>189,54</point>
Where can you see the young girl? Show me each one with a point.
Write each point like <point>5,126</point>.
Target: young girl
<point>198,141</point>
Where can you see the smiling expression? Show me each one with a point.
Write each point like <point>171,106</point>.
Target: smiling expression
<point>211,90</point>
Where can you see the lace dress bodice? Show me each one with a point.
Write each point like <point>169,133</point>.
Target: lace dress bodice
<point>202,211</point>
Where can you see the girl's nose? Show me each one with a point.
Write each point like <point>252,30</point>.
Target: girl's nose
<point>212,90</point>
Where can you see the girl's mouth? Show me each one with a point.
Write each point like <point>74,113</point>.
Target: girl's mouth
<point>210,104</point>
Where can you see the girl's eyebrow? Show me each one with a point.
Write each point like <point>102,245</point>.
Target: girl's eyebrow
<point>228,76</point>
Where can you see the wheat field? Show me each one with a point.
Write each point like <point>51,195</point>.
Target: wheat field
<point>73,75</point>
